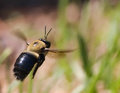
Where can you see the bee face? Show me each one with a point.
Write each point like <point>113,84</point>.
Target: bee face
<point>36,46</point>
<point>47,43</point>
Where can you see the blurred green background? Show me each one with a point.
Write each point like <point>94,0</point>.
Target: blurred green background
<point>92,27</point>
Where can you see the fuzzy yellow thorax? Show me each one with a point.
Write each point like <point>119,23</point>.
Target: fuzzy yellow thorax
<point>36,46</point>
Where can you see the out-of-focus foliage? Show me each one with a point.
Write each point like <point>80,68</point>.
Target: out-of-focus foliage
<point>94,67</point>
<point>4,55</point>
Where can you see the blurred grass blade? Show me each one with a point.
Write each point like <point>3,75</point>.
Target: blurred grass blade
<point>78,89</point>
<point>116,87</point>
<point>113,36</point>
<point>13,85</point>
<point>66,69</point>
<point>4,55</point>
<point>30,84</point>
<point>91,84</point>
<point>21,87</point>
<point>84,55</point>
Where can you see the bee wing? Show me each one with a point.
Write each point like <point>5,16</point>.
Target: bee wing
<point>59,51</point>
<point>21,36</point>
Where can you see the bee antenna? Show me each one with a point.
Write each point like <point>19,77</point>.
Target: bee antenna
<point>48,32</point>
<point>45,36</point>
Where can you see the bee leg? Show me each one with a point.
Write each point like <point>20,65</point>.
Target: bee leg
<point>39,63</point>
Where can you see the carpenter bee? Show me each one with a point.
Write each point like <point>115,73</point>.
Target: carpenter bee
<point>33,55</point>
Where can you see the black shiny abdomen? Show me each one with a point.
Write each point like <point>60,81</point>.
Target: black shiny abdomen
<point>24,65</point>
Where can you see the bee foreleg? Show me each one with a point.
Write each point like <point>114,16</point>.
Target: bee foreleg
<point>39,63</point>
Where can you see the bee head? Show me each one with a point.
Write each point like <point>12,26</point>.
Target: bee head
<point>40,44</point>
<point>47,43</point>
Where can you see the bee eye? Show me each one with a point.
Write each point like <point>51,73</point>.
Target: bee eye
<point>46,42</point>
<point>35,43</point>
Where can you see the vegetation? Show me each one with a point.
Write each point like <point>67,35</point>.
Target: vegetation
<point>93,67</point>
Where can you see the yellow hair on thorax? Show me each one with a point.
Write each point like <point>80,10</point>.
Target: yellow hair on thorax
<point>36,46</point>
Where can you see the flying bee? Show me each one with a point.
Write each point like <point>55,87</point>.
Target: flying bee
<point>34,54</point>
